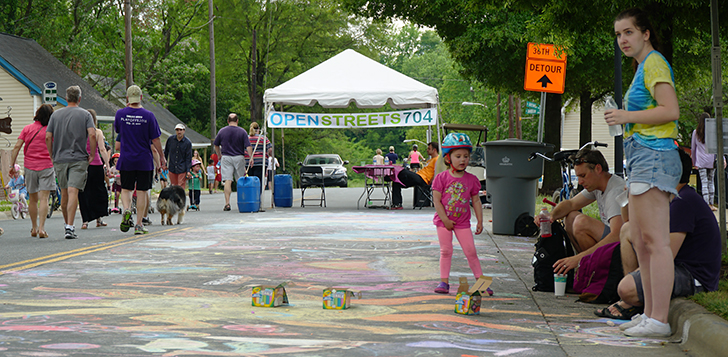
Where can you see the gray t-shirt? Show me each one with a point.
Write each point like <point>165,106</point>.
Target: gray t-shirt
<point>69,127</point>
<point>607,200</point>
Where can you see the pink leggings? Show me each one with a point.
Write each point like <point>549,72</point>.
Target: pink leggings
<point>465,237</point>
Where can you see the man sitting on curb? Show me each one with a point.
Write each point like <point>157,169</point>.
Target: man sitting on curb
<point>695,243</point>
<point>423,177</point>
<point>585,233</point>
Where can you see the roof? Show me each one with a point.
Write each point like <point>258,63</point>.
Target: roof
<point>33,66</point>
<point>352,77</point>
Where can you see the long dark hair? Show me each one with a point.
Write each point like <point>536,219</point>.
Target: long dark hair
<point>700,130</point>
<point>43,114</point>
<point>642,23</point>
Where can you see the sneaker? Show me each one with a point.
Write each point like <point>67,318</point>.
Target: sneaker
<point>71,233</point>
<point>146,221</point>
<point>443,287</point>
<point>397,207</point>
<point>636,319</point>
<point>140,230</point>
<point>649,327</point>
<point>126,221</point>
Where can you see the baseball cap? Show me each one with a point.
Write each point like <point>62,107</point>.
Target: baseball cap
<point>179,126</point>
<point>134,94</point>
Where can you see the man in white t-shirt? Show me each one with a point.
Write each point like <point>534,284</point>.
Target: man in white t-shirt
<point>586,233</point>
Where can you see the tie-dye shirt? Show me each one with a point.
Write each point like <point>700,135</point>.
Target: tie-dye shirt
<point>641,96</point>
<point>456,193</point>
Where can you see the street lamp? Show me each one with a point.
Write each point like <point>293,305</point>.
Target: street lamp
<point>473,103</point>
<point>411,140</point>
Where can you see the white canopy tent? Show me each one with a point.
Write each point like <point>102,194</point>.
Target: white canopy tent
<point>352,77</point>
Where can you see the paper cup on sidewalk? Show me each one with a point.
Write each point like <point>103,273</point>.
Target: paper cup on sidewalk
<point>559,284</point>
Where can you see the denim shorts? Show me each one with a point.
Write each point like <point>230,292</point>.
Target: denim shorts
<point>648,168</point>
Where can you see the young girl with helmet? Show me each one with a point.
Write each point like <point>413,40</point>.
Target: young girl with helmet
<point>115,179</point>
<point>454,192</point>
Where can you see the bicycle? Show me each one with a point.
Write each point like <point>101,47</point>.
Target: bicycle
<point>54,201</point>
<point>565,159</point>
<point>20,206</point>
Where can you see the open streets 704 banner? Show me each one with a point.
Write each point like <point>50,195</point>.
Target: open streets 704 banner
<point>413,117</point>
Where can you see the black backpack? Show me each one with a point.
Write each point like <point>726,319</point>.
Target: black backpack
<point>548,251</point>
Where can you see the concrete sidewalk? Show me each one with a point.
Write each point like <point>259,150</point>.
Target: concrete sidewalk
<point>185,290</point>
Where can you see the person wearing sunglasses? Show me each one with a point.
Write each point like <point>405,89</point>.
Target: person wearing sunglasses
<point>586,233</point>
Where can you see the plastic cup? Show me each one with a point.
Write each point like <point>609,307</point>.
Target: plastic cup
<point>559,284</point>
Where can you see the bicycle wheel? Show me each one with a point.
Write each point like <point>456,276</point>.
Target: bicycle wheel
<point>14,211</point>
<point>556,197</point>
<point>23,213</point>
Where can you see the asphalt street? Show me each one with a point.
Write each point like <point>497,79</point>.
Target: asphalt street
<point>185,290</point>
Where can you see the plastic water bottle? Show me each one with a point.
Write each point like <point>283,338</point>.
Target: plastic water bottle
<point>386,160</point>
<point>544,219</point>
<point>614,130</point>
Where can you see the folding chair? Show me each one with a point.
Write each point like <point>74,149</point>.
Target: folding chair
<point>422,197</point>
<point>317,181</point>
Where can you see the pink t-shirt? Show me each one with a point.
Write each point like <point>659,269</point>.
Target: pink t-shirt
<point>36,152</point>
<point>97,158</point>
<point>456,193</point>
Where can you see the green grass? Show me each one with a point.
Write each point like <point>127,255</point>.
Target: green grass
<point>5,206</point>
<point>716,301</point>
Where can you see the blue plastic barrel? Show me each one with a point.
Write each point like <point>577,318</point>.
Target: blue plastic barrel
<point>283,190</point>
<point>248,194</point>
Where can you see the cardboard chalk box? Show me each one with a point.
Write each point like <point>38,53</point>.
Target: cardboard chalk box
<point>270,296</point>
<point>339,299</point>
<point>467,300</point>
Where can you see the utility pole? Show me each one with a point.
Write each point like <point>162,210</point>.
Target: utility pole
<point>127,40</point>
<point>498,117</point>
<point>213,90</point>
<point>510,116</point>
<point>253,79</point>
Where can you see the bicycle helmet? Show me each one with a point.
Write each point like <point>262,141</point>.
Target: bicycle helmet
<point>115,156</point>
<point>17,168</point>
<point>414,146</point>
<point>195,162</point>
<point>456,141</point>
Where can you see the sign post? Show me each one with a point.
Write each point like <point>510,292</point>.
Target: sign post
<point>545,73</point>
<point>50,93</point>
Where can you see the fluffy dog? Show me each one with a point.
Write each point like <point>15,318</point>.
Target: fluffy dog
<point>171,201</point>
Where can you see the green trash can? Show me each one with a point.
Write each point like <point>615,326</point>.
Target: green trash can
<point>512,180</point>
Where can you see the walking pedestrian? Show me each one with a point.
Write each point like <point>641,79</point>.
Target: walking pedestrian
<point>653,164</point>
<point>231,145</point>
<point>704,162</point>
<point>40,178</point>
<point>94,199</point>
<point>137,128</point>
<point>178,152</point>
<point>67,132</point>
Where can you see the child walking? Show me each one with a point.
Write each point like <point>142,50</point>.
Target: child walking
<point>454,192</point>
<point>211,175</point>
<point>115,178</point>
<point>194,183</point>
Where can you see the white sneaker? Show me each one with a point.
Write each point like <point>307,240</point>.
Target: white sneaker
<point>649,328</point>
<point>636,319</point>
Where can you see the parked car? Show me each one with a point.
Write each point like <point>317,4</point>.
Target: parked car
<point>334,170</point>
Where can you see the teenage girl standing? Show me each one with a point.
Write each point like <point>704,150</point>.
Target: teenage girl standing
<point>653,166</point>
<point>454,192</point>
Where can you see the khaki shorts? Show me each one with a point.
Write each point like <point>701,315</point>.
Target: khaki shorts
<point>232,166</point>
<point>43,180</point>
<point>71,174</point>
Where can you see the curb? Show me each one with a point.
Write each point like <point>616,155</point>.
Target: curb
<point>699,331</point>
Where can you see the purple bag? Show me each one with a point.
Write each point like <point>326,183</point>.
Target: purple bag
<point>599,274</point>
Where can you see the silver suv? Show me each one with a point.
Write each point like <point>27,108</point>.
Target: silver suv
<point>334,170</point>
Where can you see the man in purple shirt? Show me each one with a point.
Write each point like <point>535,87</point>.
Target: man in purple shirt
<point>231,144</point>
<point>137,127</point>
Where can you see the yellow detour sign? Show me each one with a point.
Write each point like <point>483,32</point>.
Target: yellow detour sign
<point>545,69</point>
